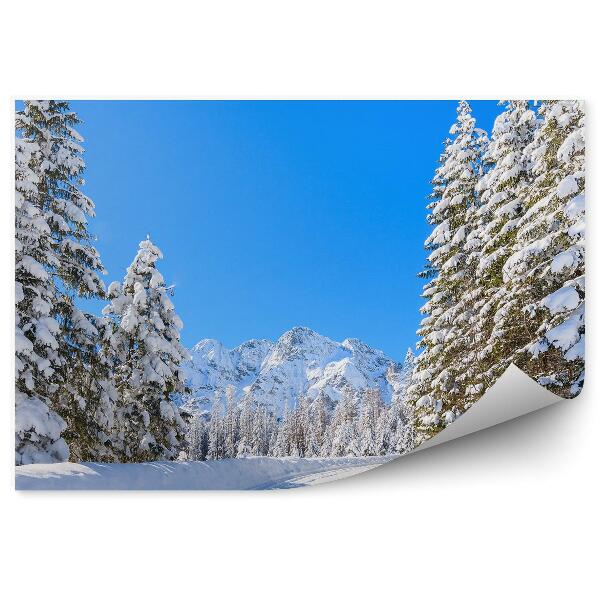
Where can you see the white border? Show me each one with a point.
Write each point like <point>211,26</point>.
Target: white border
<point>506,513</point>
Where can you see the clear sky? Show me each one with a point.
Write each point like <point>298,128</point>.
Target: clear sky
<point>273,214</point>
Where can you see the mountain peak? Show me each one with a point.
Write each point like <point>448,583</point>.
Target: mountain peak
<point>300,343</point>
<point>298,335</point>
<point>300,331</point>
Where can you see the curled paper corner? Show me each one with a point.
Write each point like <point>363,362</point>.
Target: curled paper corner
<point>513,395</point>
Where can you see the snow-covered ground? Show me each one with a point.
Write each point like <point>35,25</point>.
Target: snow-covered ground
<point>253,473</point>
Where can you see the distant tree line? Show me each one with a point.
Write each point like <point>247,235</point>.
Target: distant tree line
<point>359,424</point>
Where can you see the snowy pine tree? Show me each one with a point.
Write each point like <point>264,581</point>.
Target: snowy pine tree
<point>545,275</point>
<point>246,426</point>
<point>53,211</point>
<point>144,345</point>
<point>344,427</point>
<point>406,374</point>
<point>300,427</point>
<point>88,396</point>
<point>371,410</point>
<point>274,431</point>
<point>231,425</point>
<point>198,438</point>
<point>216,445</point>
<point>38,427</point>
<point>282,446</point>
<point>262,426</point>
<point>439,386</point>
<point>405,438</point>
<point>385,431</point>
<point>401,436</point>
<point>503,190</point>
<point>317,426</point>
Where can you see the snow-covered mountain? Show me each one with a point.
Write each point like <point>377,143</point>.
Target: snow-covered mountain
<point>300,362</point>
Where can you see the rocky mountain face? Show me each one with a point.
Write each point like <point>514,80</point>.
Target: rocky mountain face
<point>299,362</point>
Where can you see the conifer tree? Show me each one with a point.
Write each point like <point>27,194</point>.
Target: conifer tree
<point>403,436</point>
<point>274,435</point>
<point>262,426</point>
<point>88,396</point>
<point>197,438</point>
<point>317,426</point>
<point>503,188</point>
<point>38,426</point>
<point>282,445</point>
<point>246,426</point>
<point>144,345</point>
<point>344,433</point>
<point>216,446</point>
<point>405,439</point>
<point>301,426</point>
<point>406,373</point>
<point>385,430</point>
<point>371,410</point>
<point>545,275</point>
<point>230,424</point>
<point>439,386</point>
<point>81,393</point>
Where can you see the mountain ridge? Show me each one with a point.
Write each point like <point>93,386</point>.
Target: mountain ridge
<point>276,373</point>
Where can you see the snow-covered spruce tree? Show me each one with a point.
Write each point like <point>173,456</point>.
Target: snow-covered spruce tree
<point>259,440</point>
<point>545,274</point>
<point>262,429</point>
<point>300,424</point>
<point>282,445</point>
<point>231,426</point>
<point>371,410</point>
<point>87,395</point>
<point>327,445</point>
<point>344,426</point>
<point>504,189</point>
<point>82,394</point>
<point>385,430</point>
<point>216,445</point>
<point>405,438</point>
<point>197,438</point>
<point>274,435</point>
<point>439,384</point>
<point>401,435</point>
<point>406,374</point>
<point>246,427</point>
<point>272,430</point>
<point>38,427</point>
<point>317,426</point>
<point>144,344</point>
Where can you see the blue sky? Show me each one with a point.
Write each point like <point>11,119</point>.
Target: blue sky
<point>273,214</point>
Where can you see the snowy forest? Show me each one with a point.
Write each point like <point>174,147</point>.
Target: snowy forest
<point>506,272</point>
<point>503,283</point>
